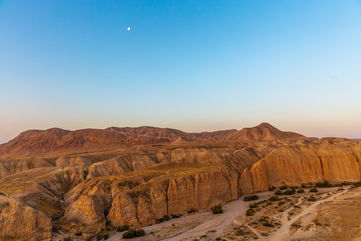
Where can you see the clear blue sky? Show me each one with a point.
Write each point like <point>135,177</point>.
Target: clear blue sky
<point>193,65</point>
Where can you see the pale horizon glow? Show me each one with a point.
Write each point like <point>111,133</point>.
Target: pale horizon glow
<point>190,65</point>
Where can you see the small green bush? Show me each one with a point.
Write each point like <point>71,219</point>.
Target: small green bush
<point>123,228</point>
<point>272,188</point>
<point>250,198</point>
<point>192,210</point>
<point>312,199</point>
<point>254,205</point>
<point>133,233</point>
<point>176,215</point>
<point>300,191</point>
<point>324,184</point>
<point>217,209</point>
<point>313,190</point>
<point>289,192</point>
<point>278,192</point>
<point>283,187</point>
<point>274,198</point>
<point>163,219</point>
<point>250,212</point>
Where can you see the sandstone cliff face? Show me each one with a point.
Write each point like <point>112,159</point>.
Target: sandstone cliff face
<point>22,223</point>
<point>295,165</point>
<point>138,185</point>
<point>173,195</point>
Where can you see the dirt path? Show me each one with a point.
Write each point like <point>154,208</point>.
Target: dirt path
<point>215,223</point>
<point>283,234</point>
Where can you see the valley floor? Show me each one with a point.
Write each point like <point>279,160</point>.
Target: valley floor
<point>332,214</point>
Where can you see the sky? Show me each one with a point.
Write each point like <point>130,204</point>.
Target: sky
<point>191,65</point>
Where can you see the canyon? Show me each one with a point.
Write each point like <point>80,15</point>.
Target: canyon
<point>90,182</point>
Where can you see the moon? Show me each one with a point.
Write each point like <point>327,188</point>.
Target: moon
<point>128,29</point>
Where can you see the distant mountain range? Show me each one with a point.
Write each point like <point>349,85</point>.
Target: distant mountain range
<point>59,141</point>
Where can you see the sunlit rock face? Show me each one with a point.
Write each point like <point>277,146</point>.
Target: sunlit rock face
<point>90,181</point>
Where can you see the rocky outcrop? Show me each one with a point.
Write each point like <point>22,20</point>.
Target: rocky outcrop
<point>94,191</point>
<point>173,195</point>
<point>22,223</point>
<point>295,165</point>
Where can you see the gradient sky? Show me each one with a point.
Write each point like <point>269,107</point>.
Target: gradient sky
<point>192,65</point>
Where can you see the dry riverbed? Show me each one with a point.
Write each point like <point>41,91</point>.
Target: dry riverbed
<point>329,214</point>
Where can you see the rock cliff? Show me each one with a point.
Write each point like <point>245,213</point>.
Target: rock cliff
<point>76,188</point>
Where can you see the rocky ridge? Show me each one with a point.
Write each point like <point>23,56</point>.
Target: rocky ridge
<point>94,191</point>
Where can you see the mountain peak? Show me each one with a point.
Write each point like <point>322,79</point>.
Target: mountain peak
<point>263,132</point>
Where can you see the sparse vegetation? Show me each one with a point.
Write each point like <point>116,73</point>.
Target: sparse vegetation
<point>311,199</point>
<point>278,192</point>
<point>289,192</point>
<point>250,212</point>
<point>283,187</point>
<point>272,188</point>
<point>133,233</point>
<point>313,190</point>
<point>250,198</point>
<point>300,191</point>
<point>192,210</point>
<point>163,219</point>
<point>101,236</point>
<point>123,228</point>
<point>274,198</point>
<point>324,184</point>
<point>217,209</point>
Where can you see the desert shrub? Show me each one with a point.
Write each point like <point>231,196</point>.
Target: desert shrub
<point>78,234</point>
<point>283,187</point>
<point>250,198</point>
<point>101,236</point>
<point>274,198</point>
<point>176,215</point>
<point>300,191</point>
<point>250,212</point>
<point>163,219</point>
<point>296,225</point>
<point>254,205</point>
<point>123,228</point>
<point>133,233</point>
<point>312,199</point>
<point>192,210</point>
<point>289,192</point>
<point>278,192</point>
<point>217,209</point>
<point>268,224</point>
<point>272,188</point>
<point>313,190</point>
<point>324,184</point>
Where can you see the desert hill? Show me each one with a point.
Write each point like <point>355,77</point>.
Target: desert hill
<point>93,181</point>
<point>262,132</point>
<point>57,141</point>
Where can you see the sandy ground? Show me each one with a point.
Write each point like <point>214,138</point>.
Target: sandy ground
<point>195,225</point>
<point>292,218</point>
<point>284,234</point>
